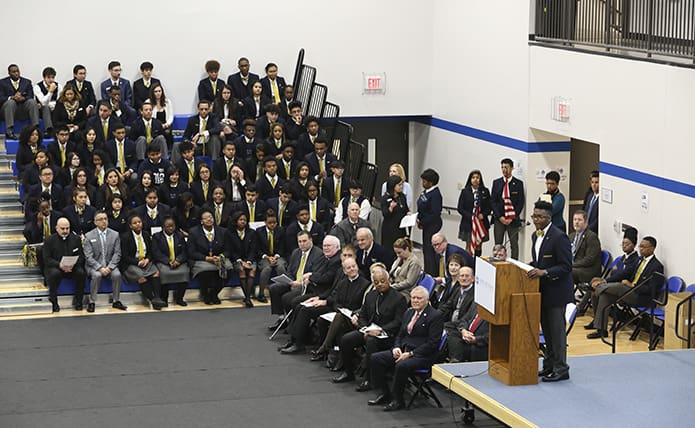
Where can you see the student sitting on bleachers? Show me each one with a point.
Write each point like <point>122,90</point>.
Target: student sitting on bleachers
<point>146,131</point>
<point>16,93</point>
<point>205,248</point>
<point>113,185</point>
<point>80,180</point>
<point>246,144</point>
<point>355,196</point>
<point>255,103</point>
<point>45,185</point>
<point>116,81</point>
<point>208,87</point>
<point>118,213</point>
<point>202,188</point>
<point>264,123</point>
<point>87,145</point>
<point>228,110</point>
<point>142,86</point>
<point>171,257</point>
<point>88,99</point>
<point>241,247</point>
<point>305,140</point>
<point>80,214</point>
<point>172,187</point>
<point>152,212</point>
<point>68,112</point>
<point>163,110</point>
<point>287,164</point>
<point>30,141</point>
<point>202,130</point>
<point>276,140</point>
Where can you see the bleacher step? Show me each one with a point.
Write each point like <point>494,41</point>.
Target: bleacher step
<point>25,308</point>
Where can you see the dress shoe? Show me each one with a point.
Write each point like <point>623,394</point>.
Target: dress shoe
<point>56,307</point>
<point>590,326</point>
<point>278,324</point>
<point>181,302</point>
<point>118,305</point>
<point>90,307</point>
<point>545,372</point>
<point>286,345</point>
<point>344,377</point>
<point>394,405</point>
<point>338,367</point>
<point>364,386</point>
<point>79,307</point>
<point>261,298</point>
<point>597,334</point>
<point>11,136</point>
<point>380,399</point>
<point>248,303</point>
<point>216,300</point>
<point>207,301</point>
<point>555,377</point>
<point>317,356</point>
<point>294,349</point>
<point>157,303</point>
<point>165,304</point>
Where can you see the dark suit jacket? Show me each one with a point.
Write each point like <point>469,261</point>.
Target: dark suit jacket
<point>219,167</point>
<point>129,249</point>
<point>239,90</point>
<point>315,261</point>
<point>266,190</point>
<point>323,280</point>
<point>205,92</point>
<point>95,122</point>
<point>54,248</point>
<point>313,162</point>
<point>126,90</point>
<point>7,89</point>
<point>131,158</point>
<point>454,249</point>
<point>57,197</point>
<point>392,306</point>
<point>465,208</point>
<point>555,257</point>
<point>267,90</point>
<point>238,249</point>
<point>199,198</point>
<point>193,126</point>
<point>304,144</point>
<point>423,340</point>
<point>293,169</point>
<point>278,242</point>
<point>33,232</point>
<point>246,150</point>
<point>288,216</point>
<point>227,211</point>
<point>128,113</point>
<point>54,150</point>
<point>120,222</point>
<point>328,191</point>
<point>447,308</point>
<point>316,231</point>
<point>80,224</point>
<point>259,209</point>
<point>377,254</point>
<point>250,111</point>
<point>263,132</point>
<point>88,97</point>
<point>592,214</point>
<point>624,264</point>
<point>429,209</point>
<point>141,92</point>
<point>160,248</point>
<point>183,170</point>
<point>587,256</point>
<point>138,129</point>
<point>516,194</point>
<point>148,222</point>
<point>199,247</point>
<point>60,116</point>
<point>348,294</point>
<point>324,213</point>
<point>651,280</point>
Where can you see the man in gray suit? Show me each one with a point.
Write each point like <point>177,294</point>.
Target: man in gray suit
<point>346,229</point>
<point>102,250</point>
<point>586,250</point>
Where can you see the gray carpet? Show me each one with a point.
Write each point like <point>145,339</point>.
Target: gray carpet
<point>203,368</point>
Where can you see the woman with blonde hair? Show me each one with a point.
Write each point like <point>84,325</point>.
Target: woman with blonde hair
<point>397,169</point>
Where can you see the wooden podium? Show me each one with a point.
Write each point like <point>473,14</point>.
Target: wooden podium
<point>514,328</point>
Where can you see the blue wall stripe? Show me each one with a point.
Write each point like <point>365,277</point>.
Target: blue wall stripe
<point>650,180</point>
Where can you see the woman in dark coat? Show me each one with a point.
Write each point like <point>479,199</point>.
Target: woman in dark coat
<point>474,200</point>
<point>394,207</point>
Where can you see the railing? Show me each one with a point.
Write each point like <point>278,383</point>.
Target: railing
<point>650,28</point>
<point>689,329</point>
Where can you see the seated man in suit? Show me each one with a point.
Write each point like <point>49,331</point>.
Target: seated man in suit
<point>202,130</point>
<point>102,251</point>
<point>442,251</point>
<point>88,99</point>
<point>120,109</point>
<point>269,184</point>
<point>188,165</point>
<point>305,259</point>
<point>16,93</point>
<point>115,80</point>
<point>141,87</point>
<point>355,189</point>
<point>460,299</point>
<point>55,247</point>
<point>346,230</point>
<point>647,275</point>
<point>335,187</point>
<point>103,123</point>
<point>383,307</point>
<point>320,161</point>
<point>122,151</point>
<point>294,126</point>
<point>46,186</point>
<point>416,347</point>
<point>254,209</point>
<point>147,130</point>
<point>62,145</point>
<point>285,208</point>
<point>468,340</point>
<point>287,99</point>
<point>265,123</point>
<point>242,81</point>
<point>586,250</point>
<point>305,223</point>
<point>307,137</point>
<point>370,252</point>
<point>208,87</point>
<point>246,143</point>
<point>41,225</point>
<point>273,85</point>
<point>287,164</point>
<point>271,252</point>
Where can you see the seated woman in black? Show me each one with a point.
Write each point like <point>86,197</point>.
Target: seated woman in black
<point>80,180</point>
<point>172,187</point>
<point>227,110</point>
<point>113,185</point>
<point>241,247</point>
<point>68,112</point>
<point>118,213</point>
<point>29,143</point>
<point>186,213</point>
<point>144,185</point>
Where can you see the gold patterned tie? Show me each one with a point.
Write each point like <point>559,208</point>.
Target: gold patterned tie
<point>287,170</point>
<point>241,235</point>
<point>276,92</point>
<point>300,270</point>
<point>153,214</point>
<point>16,85</point>
<point>209,235</point>
<point>639,271</point>
<point>105,129</point>
<point>148,132</point>
<point>214,87</point>
<point>79,87</point>
<point>191,174</point>
<point>170,242</point>
<point>252,212</point>
<point>121,156</point>
<point>337,193</point>
<point>100,179</point>
<point>141,248</point>
<point>273,180</point>
<point>62,155</point>
<point>218,215</point>
<point>203,127</point>
<point>280,213</point>
<point>46,228</point>
<point>271,244</point>
<point>147,84</point>
<point>313,210</point>
<point>205,190</point>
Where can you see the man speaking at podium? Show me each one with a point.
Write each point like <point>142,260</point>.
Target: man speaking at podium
<point>552,263</point>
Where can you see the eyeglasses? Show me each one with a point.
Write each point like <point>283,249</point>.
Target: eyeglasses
<point>437,244</point>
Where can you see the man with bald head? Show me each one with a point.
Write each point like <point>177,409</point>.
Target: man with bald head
<point>346,230</point>
<point>369,252</point>
<point>61,244</point>
<point>442,251</point>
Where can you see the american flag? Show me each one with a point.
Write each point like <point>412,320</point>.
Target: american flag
<point>478,231</point>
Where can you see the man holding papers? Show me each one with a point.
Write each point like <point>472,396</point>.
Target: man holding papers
<point>63,258</point>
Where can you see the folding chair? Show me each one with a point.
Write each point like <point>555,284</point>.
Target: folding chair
<point>673,285</point>
<point>570,316</point>
<point>286,318</point>
<point>422,378</point>
<point>426,280</point>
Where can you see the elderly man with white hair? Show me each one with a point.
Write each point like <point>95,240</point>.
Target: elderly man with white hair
<point>369,252</point>
<point>442,251</point>
<point>346,229</point>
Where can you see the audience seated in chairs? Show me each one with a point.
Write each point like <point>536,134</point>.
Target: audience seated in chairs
<point>467,340</point>
<point>586,250</point>
<point>406,269</point>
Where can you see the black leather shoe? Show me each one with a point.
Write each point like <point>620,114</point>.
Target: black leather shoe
<point>545,372</point>
<point>286,345</point>
<point>380,399</point>
<point>261,298</point>
<point>90,307</point>
<point>56,307</point>
<point>207,301</point>
<point>555,377</point>
<point>590,326</point>
<point>294,349</point>
<point>394,405</point>
<point>317,356</point>
<point>248,303</point>
<point>338,367</point>
<point>181,302</point>
<point>344,377</point>
<point>216,300</point>
<point>79,307</point>
<point>11,136</point>
<point>364,386</point>
<point>597,334</point>
<point>118,305</point>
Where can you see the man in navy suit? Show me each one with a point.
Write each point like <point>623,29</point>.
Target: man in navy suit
<point>320,160</point>
<point>429,217</point>
<point>202,131</point>
<point>103,123</point>
<point>273,85</point>
<point>88,100</point>
<point>17,93</point>
<point>242,81</point>
<point>552,263</point>
<point>116,80</point>
<point>284,206</point>
<point>443,250</point>
<point>46,185</point>
<point>141,87</point>
<point>208,87</point>
<point>645,278</point>
<point>148,130</point>
<point>591,203</point>
<point>416,347</point>
<point>120,109</point>
<point>370,252</point>
<point>122,151</point>
<point>507,204</point>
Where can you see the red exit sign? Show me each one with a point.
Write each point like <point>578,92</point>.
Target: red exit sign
<point>374,83</point>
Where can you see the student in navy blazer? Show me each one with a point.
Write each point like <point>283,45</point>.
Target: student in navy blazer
<point>271,71</point>
<point>552,263</point>
<point>174,274</point>
<point>289,211</point>
<point>151,208</point>
<point>211,145</point>
<point>270,261</point>
<point>208,87</point>
<point>303,223</point>
<point>21,98</point>
<point>509,224</point>
<point>241,82</point>
<point>88,99</point>
<point>96,122</point>
<point>241,247</point>
<point>115,80</point>
<point>429,218</point>
<point>204,257</point>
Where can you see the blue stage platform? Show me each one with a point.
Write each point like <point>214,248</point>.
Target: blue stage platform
<point>613,390</point>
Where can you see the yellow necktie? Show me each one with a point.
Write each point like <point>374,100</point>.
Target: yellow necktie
<point>272,182</point>
<point>115,214</point>
<point>322,169</point>
<point>306,228</point>
<point>441,266</point>
<point>148,133</point>
<point>639,271</point>
<point>282,211</point>
<point>105,129</point>
<point>62,155</point>
<point>276,92</point>
<point>79,86</point>
<point>539,233</point>
<point>287,170</point>
<point>153,214</point>
<point>205,190</point>
<point>191,174</point>
<point>271,244</point>
<point>141,248</point>
<point>121,157</point>
<point>312,137</point>
<point>337,193</point>
<point>16,85</point>
<point>252,213</point>
<point>147,84</point>
<point>203,127</point>
<point>170,242</point>
<point>100,179</point>
<point>229,164</point>
<point>313,210</point>
<point>214,87</point>
<point>300,270</point>
<point>79,211</point>
<point>241,235</point>
<point>209,235</point>
<point>218,215</point>
<point>46,228</point>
